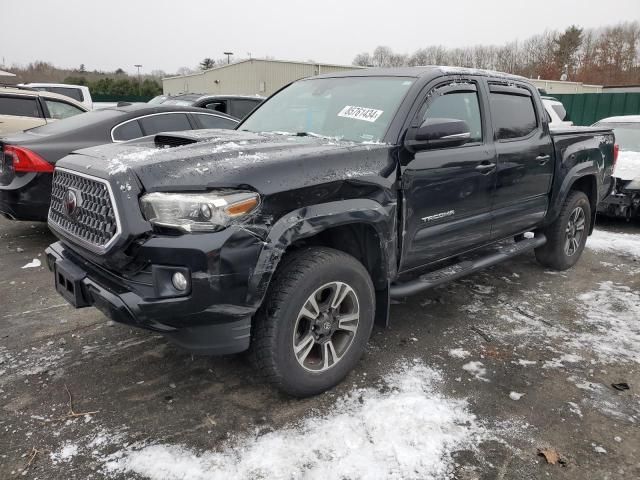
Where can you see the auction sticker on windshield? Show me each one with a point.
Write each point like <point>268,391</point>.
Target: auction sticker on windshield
<point>360,113</point>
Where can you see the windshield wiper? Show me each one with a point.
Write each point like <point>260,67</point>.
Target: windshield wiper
<point>313,134</point>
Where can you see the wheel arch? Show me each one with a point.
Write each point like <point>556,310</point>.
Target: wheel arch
<point>362,228</point>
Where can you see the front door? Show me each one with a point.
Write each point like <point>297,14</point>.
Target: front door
<point>448,191</point>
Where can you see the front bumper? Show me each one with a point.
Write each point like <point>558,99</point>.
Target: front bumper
<point>210,318</point>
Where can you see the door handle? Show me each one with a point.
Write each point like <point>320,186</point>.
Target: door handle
<point>486,167</point>
<point>543,159</point>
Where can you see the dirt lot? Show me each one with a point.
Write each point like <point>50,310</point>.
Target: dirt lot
<point>470,382</point>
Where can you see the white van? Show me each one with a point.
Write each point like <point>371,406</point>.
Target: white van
<point>79,93</point>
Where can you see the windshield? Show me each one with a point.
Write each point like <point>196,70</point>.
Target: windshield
<point>627,135</point>
<point>358,109</point>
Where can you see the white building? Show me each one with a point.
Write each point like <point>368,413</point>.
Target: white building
<point>248,77</point>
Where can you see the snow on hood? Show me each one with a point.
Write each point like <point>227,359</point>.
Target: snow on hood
<point>628,165</point>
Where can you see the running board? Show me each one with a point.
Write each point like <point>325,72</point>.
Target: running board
<point>459,270</point>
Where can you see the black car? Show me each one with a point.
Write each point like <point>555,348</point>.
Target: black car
<point>238,106</point>
<point>27,159</point>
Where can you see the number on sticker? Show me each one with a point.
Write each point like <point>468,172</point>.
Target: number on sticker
<point>360,113</point>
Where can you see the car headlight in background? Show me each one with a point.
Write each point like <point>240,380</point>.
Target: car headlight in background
<point>198,212</point>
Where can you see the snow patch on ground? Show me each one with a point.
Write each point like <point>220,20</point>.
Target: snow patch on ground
<point>29,361</point>
<point>626,244</point>
<point>459,353</point>
<point>66,453</point>
<point>476,369</point>
<point>407,429</point>
<point>611,320</point>
<point>35,263</point>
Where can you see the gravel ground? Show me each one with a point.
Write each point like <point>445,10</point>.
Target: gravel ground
<point>471,381</point>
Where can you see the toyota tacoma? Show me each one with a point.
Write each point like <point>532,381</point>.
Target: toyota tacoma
<point>290,235</point>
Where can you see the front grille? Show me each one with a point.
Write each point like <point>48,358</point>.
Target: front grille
<point>93,221</point>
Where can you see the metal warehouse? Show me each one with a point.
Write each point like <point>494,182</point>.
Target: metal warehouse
<point>247,77</point>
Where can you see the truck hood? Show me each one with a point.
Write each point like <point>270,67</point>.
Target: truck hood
<point>205,159</point>
<point>628,165</point>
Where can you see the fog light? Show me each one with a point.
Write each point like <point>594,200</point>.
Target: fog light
<point>179,281</point>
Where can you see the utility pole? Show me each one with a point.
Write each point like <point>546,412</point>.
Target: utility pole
<point>228,54</point>
<point>138,67</point>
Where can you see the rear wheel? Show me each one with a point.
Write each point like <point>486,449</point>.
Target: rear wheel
<point>567,235</point>
<point>315,322</point>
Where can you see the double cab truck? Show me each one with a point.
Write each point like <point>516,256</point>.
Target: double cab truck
<point>290,235</point>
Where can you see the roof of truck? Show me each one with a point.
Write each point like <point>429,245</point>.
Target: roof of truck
<point>417,72</point>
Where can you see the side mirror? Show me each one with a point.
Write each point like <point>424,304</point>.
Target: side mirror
<point>438,133</point>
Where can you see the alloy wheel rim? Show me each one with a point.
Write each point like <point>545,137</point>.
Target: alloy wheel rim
<point>326,326</point>
<point>574,231</point>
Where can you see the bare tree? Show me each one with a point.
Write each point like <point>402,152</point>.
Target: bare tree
<point>602,56</point>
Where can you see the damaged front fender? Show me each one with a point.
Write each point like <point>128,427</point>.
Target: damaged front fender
<point>307,222</point>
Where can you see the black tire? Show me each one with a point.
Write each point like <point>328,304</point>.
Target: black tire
<point>302,274</point>
<point>554,253</point>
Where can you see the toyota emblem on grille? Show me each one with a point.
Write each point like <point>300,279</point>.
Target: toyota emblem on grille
<point>70,203</point>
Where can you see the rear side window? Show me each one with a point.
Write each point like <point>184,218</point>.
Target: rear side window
<point>20,106</point>
<point>458,106</point>
<point>562,113</point>
<point>74,93</point>
<point>127,131</point>
<point>213,121</point>
<point>513,115</point>
<point>217,105</point>
<point>165,123</point>
<point>60,110</point>
<point>241,108</point>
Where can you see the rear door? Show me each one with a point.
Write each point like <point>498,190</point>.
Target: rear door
<point>525,158</point>
<point>448,191</point>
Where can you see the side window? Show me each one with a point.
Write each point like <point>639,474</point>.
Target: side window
<point>562,113</point>
<point>170,122</point>
<point>127,131</point>
<point>513,115</point>
<point>74,93</point>
<point>59,110</point>
<point>241,108</point>
<point>217,105</point>
<point>20,106</point>
<point>213,121</point>
<point>458,106</point>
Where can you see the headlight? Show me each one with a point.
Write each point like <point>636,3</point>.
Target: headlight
<point>197,212</point>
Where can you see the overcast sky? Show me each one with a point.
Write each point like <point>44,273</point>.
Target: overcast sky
<point>169,34</point>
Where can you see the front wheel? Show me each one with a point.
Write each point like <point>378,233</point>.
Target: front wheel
<point>315,322</point>
<point>567,235</point>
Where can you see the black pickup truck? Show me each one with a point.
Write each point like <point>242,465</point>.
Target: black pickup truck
<point>289,236</point>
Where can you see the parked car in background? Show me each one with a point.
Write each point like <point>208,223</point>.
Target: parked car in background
<point>624,200</point>
<point>79,93</point>
<point>238,106</point>
<point>158,99</point>
<point>557,112</point>
<point>27,159</point>
<point>23,107</point>
<point>338,193</point>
